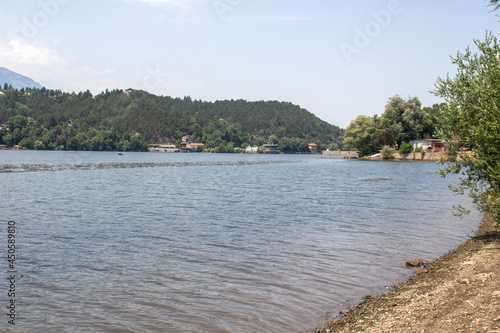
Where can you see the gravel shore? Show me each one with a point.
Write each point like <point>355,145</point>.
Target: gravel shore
<point>459,292</point>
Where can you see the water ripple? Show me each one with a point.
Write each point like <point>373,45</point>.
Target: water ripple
<point>11,168</point>
<point>211,242</point>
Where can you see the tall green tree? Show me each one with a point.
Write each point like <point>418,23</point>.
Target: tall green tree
<point>429,126</point>
<point>473,119</point>
<point>402,119</point>
<point>359,135</point>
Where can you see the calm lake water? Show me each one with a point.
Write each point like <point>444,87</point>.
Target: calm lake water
<point>152,242</point>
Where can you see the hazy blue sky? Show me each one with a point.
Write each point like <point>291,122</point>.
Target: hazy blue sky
<point>337,59</point>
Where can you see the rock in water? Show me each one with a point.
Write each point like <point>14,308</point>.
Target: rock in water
<point>415,263</point>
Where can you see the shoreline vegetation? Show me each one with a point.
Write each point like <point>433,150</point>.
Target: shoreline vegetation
<point>130,120</point>
<point>458,292</point>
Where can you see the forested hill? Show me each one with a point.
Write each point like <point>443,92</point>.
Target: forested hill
<point>167,119</point>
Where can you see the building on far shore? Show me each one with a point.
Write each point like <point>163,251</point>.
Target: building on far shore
<point>434,145</point>
<point>186,138</point>
<point>251,149</point>
<point>271,148</point>
<point>163,148</point>
<point>196,146</point>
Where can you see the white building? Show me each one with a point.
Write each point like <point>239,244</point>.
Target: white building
<point>251,149</point>
<point>164,149</point>
<point>430,144</point>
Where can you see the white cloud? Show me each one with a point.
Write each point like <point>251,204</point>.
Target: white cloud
<point>52,70</point>
<point>17,52</point>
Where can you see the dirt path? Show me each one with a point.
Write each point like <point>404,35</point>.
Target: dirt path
<point>460,292</point>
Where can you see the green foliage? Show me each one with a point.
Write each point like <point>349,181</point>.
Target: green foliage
<point>225,148</point>
<point>38,145</point>
<point>387,153</point>
<point>26,133</point>
<point>158,119</point>
<point>430,126</point>
<point>402,120</point>
<point>406,120</point>
<point>406,148</point>
<point>359,135</point>
<point>472,119</point>
<point>17,122</point>
<point>367,150</point>
<point>293,145</point>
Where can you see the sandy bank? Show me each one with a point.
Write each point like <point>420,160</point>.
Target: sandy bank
<point>421,157</point>
<point>459,292</point>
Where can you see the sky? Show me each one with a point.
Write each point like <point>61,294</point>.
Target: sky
<point>337,59</point>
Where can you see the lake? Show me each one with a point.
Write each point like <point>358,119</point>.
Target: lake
<point>158,242</point>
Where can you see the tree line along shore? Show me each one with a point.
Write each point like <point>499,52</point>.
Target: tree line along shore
<point>130,120</point>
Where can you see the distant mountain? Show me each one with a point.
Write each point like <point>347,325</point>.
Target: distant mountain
<point>16,80</point>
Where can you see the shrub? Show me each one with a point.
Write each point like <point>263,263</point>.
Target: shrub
<point>406,148</point>
<point>386,153</point>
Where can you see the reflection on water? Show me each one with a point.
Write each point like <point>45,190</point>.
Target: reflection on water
<point>214,242</point>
